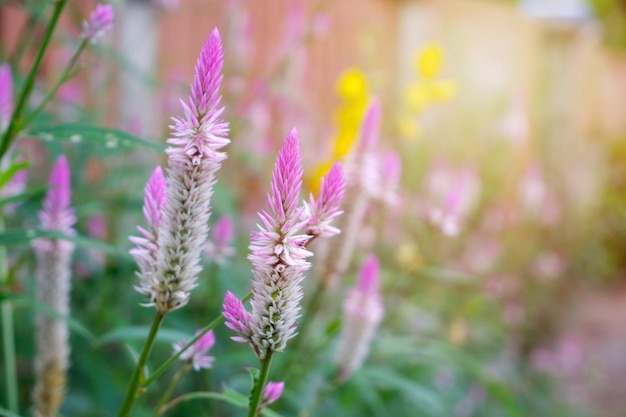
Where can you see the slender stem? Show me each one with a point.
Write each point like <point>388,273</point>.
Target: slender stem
<point>193,340</point>
<point>8,337</point>
<point>15,124</point>
<point>166,395</point>
<point>66,75</point>
<point>192,396</point>
<point>131,392</point>
<point>257,394</point>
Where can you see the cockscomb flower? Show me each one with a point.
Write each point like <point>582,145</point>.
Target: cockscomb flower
<point>145,251</point>
<point>218,249</point>
<point>196,355</point>
<point>6,96</point>
<point>362,312</point>
<point>237,318</point>
<point>193,160</point>
<point>100,22</point>
<point>319,214</point>
<point>53,291</point>
<point>272,392</point>
<point>278,256</point>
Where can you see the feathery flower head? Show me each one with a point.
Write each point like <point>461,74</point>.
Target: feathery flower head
<point>218,249</point>
<point>193,160</point>
<point>362,312</point>
<point>196,355</point>
<point>319,214</point>
<point>144,252</point>
<point>278,256</point>
<point>100,22</point>
<point>6,96</point>
<point>272,392</point>
<point>53,279</point>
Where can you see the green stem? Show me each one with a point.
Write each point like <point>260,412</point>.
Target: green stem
<point>257,394</point>
<point>193,396</point>
<point>193,340</point>
<point>166,395</point>
<point>15,125</point>
<point>66,75</point>
<point>8,336</point>
<point>131,392</point>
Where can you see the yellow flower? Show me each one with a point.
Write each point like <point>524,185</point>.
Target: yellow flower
<point>443,90</point>
<point>352,85</point>
<point>417,96</point>
<point>429,60</point>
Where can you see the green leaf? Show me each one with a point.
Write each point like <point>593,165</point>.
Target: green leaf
<point>141,333</point>
<point>7,175</point>
<point>109,138</point>
<point>73,324</point>
<point>30,193</point>
<point>23,236</point>
<point>6,413</point>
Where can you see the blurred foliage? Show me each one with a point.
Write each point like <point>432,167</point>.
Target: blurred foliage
<point>612,15</point>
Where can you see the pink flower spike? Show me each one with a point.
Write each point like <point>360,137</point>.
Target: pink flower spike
<point>278,256</point>
<point>369,275</point>
<point>196,354</point>
<point>237,317</point>
<point>100,22</point>
<point>370,127</point>
<point>272,392</point>
<point>57,213</point>
<point>6,96</point>
<point>319,214</point>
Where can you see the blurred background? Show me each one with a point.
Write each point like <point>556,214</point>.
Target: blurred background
<point>502,244</point>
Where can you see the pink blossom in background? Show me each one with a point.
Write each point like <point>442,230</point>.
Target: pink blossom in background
<point>197,355</point>
<point>548,266</point>
<point>480,254</point>
<point>100,22</point>
<point>272,392</point>
<point>538,200</point>
<point>97,226</point>
<point>219,248</point>
<point>515,125</point>
<point>362,313</point>
<point>6,96</point>
<point>391,171</point>
<point>501,286</point>
<point>452,194</point>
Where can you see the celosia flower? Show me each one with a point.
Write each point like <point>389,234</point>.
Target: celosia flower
<point>100,22</point>
<point>196,355</point>
<point>237,318</point>
<point>53,290</point>
<point>319,214</point>
<point>272,392</point>
<point>6,96</point>
<point>218,249</point>
<point>362,312</point>
<point>146,245</point>
<point>193,160</point>
<point>278,257</point>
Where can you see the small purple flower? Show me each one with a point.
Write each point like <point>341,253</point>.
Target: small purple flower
<point>362,312</point>
<point>100,22</point>
<point>319,214</point>
<point>272,392</point>
<point>218,249</point>
<point>6,96</point>
<point>196,354</point>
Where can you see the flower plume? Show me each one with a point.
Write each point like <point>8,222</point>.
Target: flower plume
<point>100,22</point>
<point>196,355</point>
<point>194,157</point>
<point>319,214</point>
<point>278,256</point>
